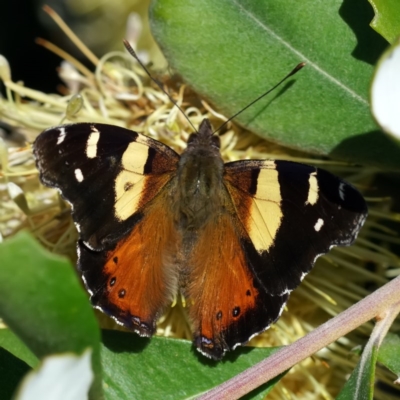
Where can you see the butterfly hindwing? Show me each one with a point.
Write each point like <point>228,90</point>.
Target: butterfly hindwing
<point>227,306</point>
<point>103,171</point>
<point>132,280</point>
<point>292,213</point>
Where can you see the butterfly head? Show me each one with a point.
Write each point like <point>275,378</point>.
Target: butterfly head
<point>204,137</point>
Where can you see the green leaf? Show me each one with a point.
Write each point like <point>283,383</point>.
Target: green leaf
<point>160,367</point>
<point>140,368</point>
<point>360,385</point>
<point>386,20</point>
<point>12,343</point>
<point>43,302</point>
<point>389,353</point>
<point>233,51</point>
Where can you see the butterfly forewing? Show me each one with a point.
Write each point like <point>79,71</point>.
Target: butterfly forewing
<point>103,171</point>
<point>293,213</point>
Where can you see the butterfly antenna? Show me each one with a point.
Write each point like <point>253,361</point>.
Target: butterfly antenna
<point>294,70</point>
<point>134,55</point>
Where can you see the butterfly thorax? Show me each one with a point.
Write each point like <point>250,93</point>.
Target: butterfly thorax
<point>199,184</point>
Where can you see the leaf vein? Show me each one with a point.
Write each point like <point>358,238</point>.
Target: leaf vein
<point>299,54</point>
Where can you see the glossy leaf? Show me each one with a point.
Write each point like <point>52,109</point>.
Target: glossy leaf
<point>360,385</point>
<point>164,368</point>
<point>232,51</point>
<point>135,367</point>
<point>43,302</point>
<point>386,20</point>
<point>10,342</point>
<point>389,353</point>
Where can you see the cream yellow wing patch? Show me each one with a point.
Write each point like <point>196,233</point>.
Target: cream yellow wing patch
<point>257,198</point>
<point>130,182</point>
<point>128,189</point>
<point>144,171</point>
<point>265,212</point>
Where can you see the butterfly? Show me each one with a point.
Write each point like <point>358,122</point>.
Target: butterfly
<point>233,239</point>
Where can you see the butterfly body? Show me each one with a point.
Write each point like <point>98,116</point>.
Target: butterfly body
<point>233,239</point>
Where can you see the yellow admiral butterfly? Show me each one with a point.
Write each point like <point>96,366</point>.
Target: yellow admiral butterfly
<point>234,239</point>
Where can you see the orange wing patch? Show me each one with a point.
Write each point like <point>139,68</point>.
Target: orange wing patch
<point>221,289</point>
<point>141,277</point>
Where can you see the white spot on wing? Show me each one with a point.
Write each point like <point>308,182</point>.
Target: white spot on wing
<point>341,190</point>
<point>61,136</point>
<point>91,146</point>
<point>318,224</point>
<point>312,197</point>
<point>78,175</point>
